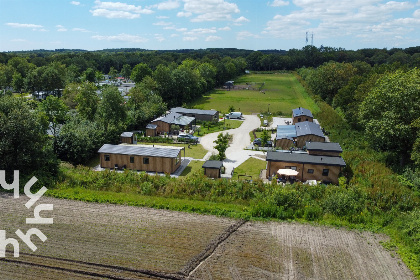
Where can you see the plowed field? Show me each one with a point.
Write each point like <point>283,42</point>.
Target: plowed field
<point>99,241</point>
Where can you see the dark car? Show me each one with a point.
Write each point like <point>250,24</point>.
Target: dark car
<point>188,138</point>
<point>258,142</point>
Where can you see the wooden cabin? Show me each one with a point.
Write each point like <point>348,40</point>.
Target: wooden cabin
<point>308,132</point>
<point>128,138</point>
<point>324,149</point>
<point>165,122</point>
<point>140,158</point>
<point>213,168</point>
<point>310,167</point>
<point>285,136</point>
<point>301,115</point>
<point>151,130</point>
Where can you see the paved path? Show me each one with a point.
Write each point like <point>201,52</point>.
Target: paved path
<point>235,154</point>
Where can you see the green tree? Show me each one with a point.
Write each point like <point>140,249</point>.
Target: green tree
<point>79,140</point>
<point>388,111</point>
<point>222,143</point>
<point>140,71</point>
<point>24,144</point>
<point>89,75</point>
<point>126,71</point>
<point>87,100</point>
<point>55,110</point>
<point>265,137</point>
<point>111,113</point>
<point>17,82</point>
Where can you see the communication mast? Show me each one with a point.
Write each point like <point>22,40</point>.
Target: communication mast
<point>312,38</point>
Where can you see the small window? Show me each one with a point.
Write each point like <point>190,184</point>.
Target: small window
<point>325,172</point>
<point>310,171</point>
<point>106,157</point>
<point>131,159</point>
<point>299,119</point>
<point>146,160</point>
<point>291,167</point>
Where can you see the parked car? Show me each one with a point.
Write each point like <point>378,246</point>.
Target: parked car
<point>258,142</point>
<point>188,138</point>
<point>234,115</point>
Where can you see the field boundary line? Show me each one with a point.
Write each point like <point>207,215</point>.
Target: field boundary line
<point>196,261</point>
<point>159,274</point>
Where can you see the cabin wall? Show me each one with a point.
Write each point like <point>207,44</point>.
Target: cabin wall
<point>301,140</point>
<point>156,164</point>
<point>212,172</point>
<point>302,119</point>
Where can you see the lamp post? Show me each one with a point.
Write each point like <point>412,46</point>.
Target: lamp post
<point>269,108</point>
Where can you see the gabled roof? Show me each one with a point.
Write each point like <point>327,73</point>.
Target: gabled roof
<point>301,112</point>
<point>214,164</point>
<point>308,128</point>
<point>305,158</point>
<point>139,151</point>
<point>286,132</point>
<point>181,110</point>
<point>127,134</point>
<point>324,146</point>
<point>151,126</point>
<point>175,118</point>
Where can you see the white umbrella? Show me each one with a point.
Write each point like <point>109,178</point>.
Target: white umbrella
<point>288,172</point>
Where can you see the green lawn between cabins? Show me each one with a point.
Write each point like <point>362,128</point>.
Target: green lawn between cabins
<point>283,92</point>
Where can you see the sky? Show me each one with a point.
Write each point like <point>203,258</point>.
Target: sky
<point>200,24</point>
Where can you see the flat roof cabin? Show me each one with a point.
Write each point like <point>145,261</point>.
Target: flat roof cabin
<point>140,158</point>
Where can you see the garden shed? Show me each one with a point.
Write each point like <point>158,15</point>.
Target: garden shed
<point>213,168</point>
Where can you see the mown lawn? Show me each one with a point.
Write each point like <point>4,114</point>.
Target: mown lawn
<point>251,167</point>
<point>192,168</point>
<point>282,93</point>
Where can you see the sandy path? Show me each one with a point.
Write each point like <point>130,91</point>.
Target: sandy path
<point>235,154</point>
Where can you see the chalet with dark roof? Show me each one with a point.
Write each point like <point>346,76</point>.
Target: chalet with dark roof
<point>301,115</point>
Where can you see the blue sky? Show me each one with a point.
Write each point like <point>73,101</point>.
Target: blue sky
<point>193,24</point>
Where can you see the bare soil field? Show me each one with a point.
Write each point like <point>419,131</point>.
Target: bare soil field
<point>100,241</point>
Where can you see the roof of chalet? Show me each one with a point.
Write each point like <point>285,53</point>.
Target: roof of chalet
<point>308,128</point>
<point>324,146</point>
<point>305,158</point>
<point>175,118</point>
<point>214,164</point>
<point>286,132</point>
<point>151,126</point>
<point>139,151</point>
<point>301,112</point>
<point>193,111</point>
<point>127,134</point>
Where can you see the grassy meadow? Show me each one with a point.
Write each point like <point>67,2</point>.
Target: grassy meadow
<point>282,93</point>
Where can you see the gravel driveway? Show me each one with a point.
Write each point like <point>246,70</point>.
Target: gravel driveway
<point>235,154</point>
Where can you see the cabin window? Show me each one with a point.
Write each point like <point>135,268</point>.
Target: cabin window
<point>291,167</point>
<point>325,172</point>
<point>310,171</point>
<point>177,160</point>
<point>106,157</point>
<point>146,160</point>
<point>131,159</point>
<point>299,119</point>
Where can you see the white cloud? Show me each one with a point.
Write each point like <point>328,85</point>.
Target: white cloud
<point>226,28</point>
<point>241,20</point>
<point>76,3</point>
<point>184,14</point>
<point>159,37</point>
<point>121,38</point>
<point>416,14</point>
<point>61,28</point>
<point>174,35</point>
<point>213,38</point>
<point>200,31</point>
<point>162,17</point>
<point>181,29</point>
<point>167,5</point>
<point>245,34</point>
<point>279,3</point>
<point>118,10</point>
<point>80,30</point>
<point>334,19</point>
<point>210,10</point>
<point>162,23</point>
<point>190,38</point>
<point>25,25</point>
